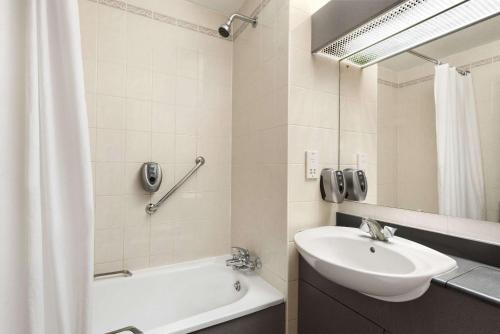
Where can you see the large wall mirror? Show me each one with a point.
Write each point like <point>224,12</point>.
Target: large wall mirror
<point>427,135</point>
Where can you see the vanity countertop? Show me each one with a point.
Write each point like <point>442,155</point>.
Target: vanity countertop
<point>474,278</point>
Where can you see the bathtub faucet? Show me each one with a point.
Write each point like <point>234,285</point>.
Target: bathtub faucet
<point>242,261</point>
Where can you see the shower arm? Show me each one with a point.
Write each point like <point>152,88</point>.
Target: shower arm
<point>244,18</point>
<point>153,207</point>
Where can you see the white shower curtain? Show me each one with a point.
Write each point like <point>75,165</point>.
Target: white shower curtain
<point>460,171</point>
<point>45,172</point>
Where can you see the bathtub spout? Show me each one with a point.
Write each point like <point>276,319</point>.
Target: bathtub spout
<point>233,262</point>
<point>242,261</point>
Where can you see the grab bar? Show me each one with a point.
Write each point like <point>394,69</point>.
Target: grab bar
<point>131,329</point>
<point>152,208</point>
<point>124,273</point>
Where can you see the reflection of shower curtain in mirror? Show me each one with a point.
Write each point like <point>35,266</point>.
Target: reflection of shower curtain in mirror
<point>460,170</point>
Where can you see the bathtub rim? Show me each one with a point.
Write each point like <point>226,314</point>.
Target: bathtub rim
<point>259,296</point>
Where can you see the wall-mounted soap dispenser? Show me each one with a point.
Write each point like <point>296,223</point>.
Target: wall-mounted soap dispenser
<point>356,184</point>
<point>151,176</point>
<point>332,185</point>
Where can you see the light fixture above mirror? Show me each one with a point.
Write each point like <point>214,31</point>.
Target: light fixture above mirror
<point>396,29</point>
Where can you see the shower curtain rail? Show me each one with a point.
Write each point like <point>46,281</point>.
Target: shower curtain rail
<point>153,207</point>
<point>434,61</point>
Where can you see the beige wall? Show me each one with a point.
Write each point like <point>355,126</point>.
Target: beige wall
<point>285,101</point>
<point>157,91</point>
<point>387,129</point>
<point>259,173</point>
<point>407,158</point>
<point>312,125</point>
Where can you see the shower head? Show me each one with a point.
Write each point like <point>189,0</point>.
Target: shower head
<point>225,29</point>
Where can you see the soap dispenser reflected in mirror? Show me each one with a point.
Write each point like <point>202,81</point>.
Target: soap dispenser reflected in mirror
<point>356,184</point>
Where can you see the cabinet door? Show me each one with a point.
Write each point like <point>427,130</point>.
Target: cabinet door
<point>321,314</point>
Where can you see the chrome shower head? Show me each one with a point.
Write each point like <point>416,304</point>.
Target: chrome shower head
<point>225,29</point>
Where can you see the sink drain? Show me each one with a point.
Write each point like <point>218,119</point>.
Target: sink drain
<point>372,249</point>
<point>237,285</point>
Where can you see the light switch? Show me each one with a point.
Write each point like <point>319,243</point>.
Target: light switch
<point>312,165</point>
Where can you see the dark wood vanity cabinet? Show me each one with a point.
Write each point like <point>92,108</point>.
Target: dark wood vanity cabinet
<point>268,321</point>
<point>327,308</point>
<point>316,307</point>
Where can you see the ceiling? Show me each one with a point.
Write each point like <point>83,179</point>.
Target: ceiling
<point>226,7</point>
<point>476,35</point>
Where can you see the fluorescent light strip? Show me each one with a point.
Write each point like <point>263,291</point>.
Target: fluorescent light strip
<point>397,19</point>
<point>450,21</point>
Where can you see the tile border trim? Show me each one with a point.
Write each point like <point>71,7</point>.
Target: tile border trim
<point>122,5</point>
<point>160,17</point>
<point>387,83</point>
<point>466,67</point>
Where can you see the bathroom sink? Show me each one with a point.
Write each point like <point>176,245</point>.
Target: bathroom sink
<point>396,270</point>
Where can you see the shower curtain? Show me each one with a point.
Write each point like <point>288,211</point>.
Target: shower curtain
<point>460,171</point>
<point>45,172</point>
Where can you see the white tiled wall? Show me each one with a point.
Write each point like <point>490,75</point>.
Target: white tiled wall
<point>271,198</point>
<point>157,92</point>
<point>284,103</point>
<point>259,170</point>
<point>312,125</point>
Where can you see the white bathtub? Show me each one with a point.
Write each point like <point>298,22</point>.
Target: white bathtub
<point>179,298</point>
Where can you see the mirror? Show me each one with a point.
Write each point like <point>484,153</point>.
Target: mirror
<point>427,136</point>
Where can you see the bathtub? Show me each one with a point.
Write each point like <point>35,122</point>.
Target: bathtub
<point>179,298</point>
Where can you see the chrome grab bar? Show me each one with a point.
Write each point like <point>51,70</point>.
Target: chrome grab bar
<point>152,208</point>
<point>130,329</point>
<point>124,273</point>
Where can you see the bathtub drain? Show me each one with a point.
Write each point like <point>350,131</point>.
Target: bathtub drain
<point>237,285</point>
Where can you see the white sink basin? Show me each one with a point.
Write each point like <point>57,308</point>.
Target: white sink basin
<point>397,270</point>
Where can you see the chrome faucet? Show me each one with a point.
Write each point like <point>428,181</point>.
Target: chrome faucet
<point>241,260</point>
<point>372,227</point>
